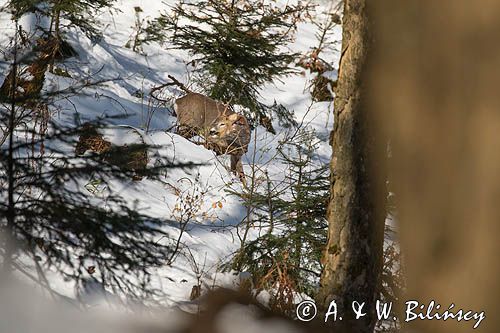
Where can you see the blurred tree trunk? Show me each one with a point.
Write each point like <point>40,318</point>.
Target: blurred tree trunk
<point>353,256</point>
<point>434,84</point>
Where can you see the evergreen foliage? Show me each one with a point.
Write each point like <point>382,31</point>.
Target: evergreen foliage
<point>61,221</point>
<point>79,13</point>
<point>286,259</point>
<point>237,46</point>
<point>58,209</point>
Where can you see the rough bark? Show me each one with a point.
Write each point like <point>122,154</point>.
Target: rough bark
<point>352,259</point>
<point>435,87</point>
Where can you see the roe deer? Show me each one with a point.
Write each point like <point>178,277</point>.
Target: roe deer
<point>224,131</point>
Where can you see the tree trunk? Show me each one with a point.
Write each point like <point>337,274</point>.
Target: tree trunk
<point>434,85</point>
<point>356,213</point>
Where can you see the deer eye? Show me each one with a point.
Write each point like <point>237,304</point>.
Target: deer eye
<point>222,125</point>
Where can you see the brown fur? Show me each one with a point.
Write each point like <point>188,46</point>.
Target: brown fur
<point>224,131</point>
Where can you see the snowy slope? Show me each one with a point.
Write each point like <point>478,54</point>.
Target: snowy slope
<point>212,238</point>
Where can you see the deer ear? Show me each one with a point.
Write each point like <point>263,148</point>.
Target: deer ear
<point>241,120</point>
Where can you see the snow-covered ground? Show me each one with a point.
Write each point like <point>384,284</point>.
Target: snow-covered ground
<point>212,236</point>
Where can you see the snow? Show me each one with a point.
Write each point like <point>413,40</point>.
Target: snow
<point>212,237</point>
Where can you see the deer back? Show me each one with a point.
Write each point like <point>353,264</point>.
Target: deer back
<point>199,112</point>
